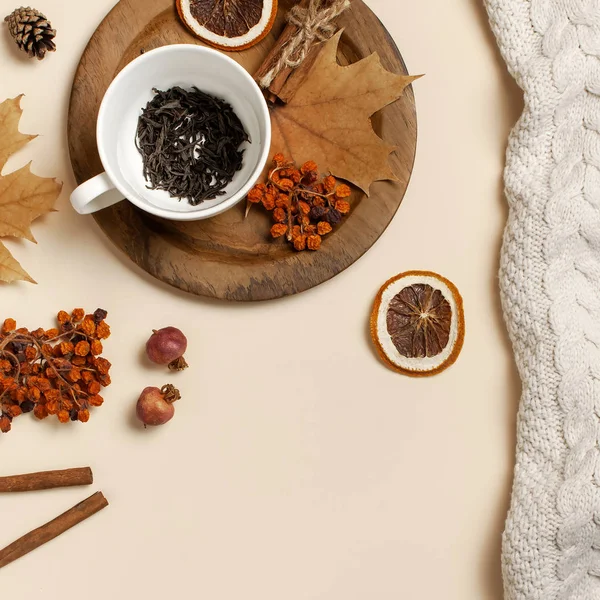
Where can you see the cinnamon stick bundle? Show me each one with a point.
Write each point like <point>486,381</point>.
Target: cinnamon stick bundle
<point>46,480</point>
<point>309,22</point>
<point>53,529</point>
<point>272,58</point>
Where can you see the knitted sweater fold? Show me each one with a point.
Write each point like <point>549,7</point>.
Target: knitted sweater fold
<point>550,287</point>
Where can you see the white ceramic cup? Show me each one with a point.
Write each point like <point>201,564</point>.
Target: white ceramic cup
<point>183,65</point>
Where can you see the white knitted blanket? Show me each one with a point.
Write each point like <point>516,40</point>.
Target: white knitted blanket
<point>550,285</point>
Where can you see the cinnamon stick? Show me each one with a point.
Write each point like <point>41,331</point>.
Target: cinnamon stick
<point>271,60</point>
<point>53,529</point>
<point>46,480</point>
<point>274,90</point>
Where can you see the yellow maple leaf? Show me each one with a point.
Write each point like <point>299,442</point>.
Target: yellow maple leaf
<point>23,196</point>
<point>328,119</point>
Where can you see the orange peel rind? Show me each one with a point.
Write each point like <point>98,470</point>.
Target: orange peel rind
<point>230,25</point>
<point>418,323</point>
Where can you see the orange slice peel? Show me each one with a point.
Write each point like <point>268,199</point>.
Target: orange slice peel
<point>418,323</point>
<point>230,25</point>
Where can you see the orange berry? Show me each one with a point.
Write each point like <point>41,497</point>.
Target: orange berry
<point>63,317</point>
<point>5,424</point>
<point>15,410</point>
<point>83,415</point>
<point>255,195</point>
<point>343,191</point>
<point>42,384</point>
<point>87,376</point>
<point>268,201</point>
<point>64,416</point>
<point>30,353</point>
<point>94,388</point>
<point>283,201</point>
<point>102,366</point>
<point>52,395</point>
<point>103,331</point>
<point>88,326</point>
<point>73,375</point>
<point>295,175</point>
<point>96,347</point>
<point>329,183</point>
<point>278,230</point>
<point>323,228</point>
<point>313,242</point>
<point>309,166</point>
<point>96,400</point>
<point>82,348</point>
<point>279,159</point>
<point>66,348</point>
<point>40,411</point>
<point>78,314</point>
<point>104,380</point>
<point>303,207</point>
<point>9,325</point>
<point>286,184</point>
<point>343,206</point>
<point>300,242</point>
<point>52,407</point>
<point>279,215</point>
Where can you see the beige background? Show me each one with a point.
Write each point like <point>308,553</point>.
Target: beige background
<point>297,466</point>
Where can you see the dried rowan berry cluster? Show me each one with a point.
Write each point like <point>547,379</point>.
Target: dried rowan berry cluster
<point>53,372</point>
<point>304,209</point>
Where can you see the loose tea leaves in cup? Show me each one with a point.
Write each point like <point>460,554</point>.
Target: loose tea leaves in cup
<point>190,144</point>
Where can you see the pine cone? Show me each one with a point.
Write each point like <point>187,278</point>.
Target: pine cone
<point>32,32</point>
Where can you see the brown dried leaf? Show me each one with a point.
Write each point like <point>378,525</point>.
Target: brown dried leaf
<point>328,118</point>
<point>23,196</point>
<point>10,269</point>
<point>11,140</point>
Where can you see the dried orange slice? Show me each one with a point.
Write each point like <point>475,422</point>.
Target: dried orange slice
<point>228,24</point>
<point>418,323</point>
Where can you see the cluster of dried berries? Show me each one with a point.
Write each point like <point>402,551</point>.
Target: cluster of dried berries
<point>53,372</point>
<point>304,208</point>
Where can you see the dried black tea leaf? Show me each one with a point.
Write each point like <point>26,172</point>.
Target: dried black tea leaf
<point>190,144</point>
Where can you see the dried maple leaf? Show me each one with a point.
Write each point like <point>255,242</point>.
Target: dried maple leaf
<point>23,196</point>
<point>328,118</point>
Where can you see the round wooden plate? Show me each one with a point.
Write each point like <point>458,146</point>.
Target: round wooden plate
<point>228,256</point>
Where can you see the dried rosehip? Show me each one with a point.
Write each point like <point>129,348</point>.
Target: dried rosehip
<point>279,230</point>
<point>305,207</point>
<point>167,347</point>
<point>333,216</point>
<point>317,212</point>
<point>313,242</point>
<point>27,406</point>
<point>323,228</point>
<point>99,315</point>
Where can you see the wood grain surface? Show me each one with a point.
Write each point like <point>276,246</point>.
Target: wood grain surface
<point>230,257</point>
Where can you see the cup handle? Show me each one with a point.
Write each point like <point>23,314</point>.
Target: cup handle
<point>95,194</point>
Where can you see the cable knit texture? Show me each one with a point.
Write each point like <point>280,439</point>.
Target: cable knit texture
<point>550,285</point>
